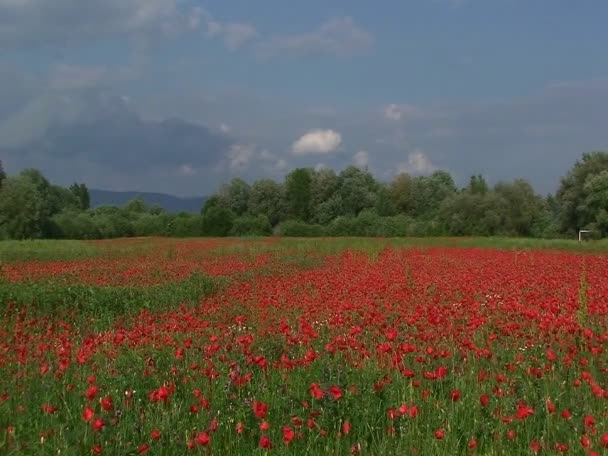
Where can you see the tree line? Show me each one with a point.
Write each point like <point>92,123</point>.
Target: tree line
<point>322,203</point>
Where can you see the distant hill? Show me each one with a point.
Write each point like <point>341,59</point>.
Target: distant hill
<point>169,203</point>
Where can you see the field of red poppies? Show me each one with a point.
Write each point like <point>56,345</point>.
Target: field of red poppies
<point>371,347</point>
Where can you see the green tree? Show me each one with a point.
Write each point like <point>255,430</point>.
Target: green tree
<point>430,192</point>
<point>81,192</point>
<point>217,221</point>
<point>236,194</point>
<point>267,197</point>
<point>2,174</point>
<point>324,185</point>
<point>298,185</point>
<point>574,213</point>
<point>402,193</point>
<point>24,209</point>
<point>357,190</point>
<point>478,185</point>
<point>136,206</point>
<point>522,209</point>
<point>596,200</point>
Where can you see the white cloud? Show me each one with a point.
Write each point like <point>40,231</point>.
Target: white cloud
<point>43,22</point>
<point>340,37</point>
<point>417,163</point>
<point>281,164</point>
<point>317,142</point>
<point>186,170</point>
<point>240,155</point>
<point>224,128</point>
<point>233,34</point>
<point>361,159</point>
<point>396,113</point>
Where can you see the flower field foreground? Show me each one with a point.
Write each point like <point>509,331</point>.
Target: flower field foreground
<point>434,351</point>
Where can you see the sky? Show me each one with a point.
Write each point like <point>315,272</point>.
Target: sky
<point>180,96</point>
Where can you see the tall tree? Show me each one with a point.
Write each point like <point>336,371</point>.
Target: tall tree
<point>2,174</point>
<point>357,190</point>
<point>236,193</point>
<point>24,209</point>
<point>478,185</point>
<point>267,197</point>
<point>81,192</point>
<point>522,206</point>
<point>573,210</point>
<point>298,185</point>
<point>402,193</point>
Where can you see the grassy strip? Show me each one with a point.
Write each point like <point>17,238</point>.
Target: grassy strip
<point>101,305</point>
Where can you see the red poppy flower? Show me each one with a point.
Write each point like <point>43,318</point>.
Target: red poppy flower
<point>260,409</point>
<point>265,442</point>
<point>203,439</point>
<point>88,414</point>
<point>288,434</point>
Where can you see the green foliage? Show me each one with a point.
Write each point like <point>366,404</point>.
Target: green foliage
<point>81,192</point>
<point>25,209</point>
<point>217,221</point>
<point>268,198</point>
<point>297,228</point>
<point>298,186</point>
<point>2,174</point>
<point>257,225</point>
<point>574,213</point>
<point>236,195</point>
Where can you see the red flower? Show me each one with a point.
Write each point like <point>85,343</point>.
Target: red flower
<point>484,399</point>
<point>336,392</point>
<point>260,409</point>
<point>143,448</point>
<point>49,409</point>
<point>106,403</point>
<point>455,396</point>
<point>550,406</point>
<point>566,414</point>
<point>265,442</point>
<point>316,391</point>
<point>96,449</point>
<point>240,428</point>
<point>88,414</point>
<point>511,434</point>
<point>264,426</point>
<point>589,421</point>
<point>585,441</point>
<point>155,434</point>
<point>472,443</point>
<point>346,427</point>
<point>535,446</point>
<point>439,434</point>
<point>91,392</point>
<point>203,439</point>
<point>97,424</point>
<point>288,434</point>
<point>524,411</point>
<point>604,440</point>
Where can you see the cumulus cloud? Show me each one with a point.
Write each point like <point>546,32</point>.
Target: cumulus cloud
<point>340,37</point>
<point>186,170</point>
<point>417,163</point>
<point>361,159</point>
<point>317,142</point>
<point>395,113</point>
<point>30,23</point>
<point>240,155</point>
<point>233,34</point>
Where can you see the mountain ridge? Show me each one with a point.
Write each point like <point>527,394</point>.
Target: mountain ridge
<point>169,203</point>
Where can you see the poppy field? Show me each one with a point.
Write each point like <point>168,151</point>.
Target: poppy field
<point>360,346</point>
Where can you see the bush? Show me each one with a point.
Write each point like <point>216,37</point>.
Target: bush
<point>257,225</point>
<point>297,228</point>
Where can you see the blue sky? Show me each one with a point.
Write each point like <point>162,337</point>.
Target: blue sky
<point>506,88</point>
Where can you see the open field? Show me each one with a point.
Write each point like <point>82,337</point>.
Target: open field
<point>304,346</point>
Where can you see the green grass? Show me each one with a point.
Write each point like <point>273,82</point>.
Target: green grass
<point>49,250</point>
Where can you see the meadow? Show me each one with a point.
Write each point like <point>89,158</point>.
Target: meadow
<point>443,346</point>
